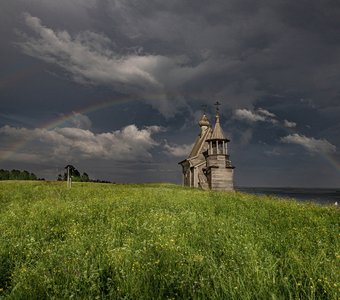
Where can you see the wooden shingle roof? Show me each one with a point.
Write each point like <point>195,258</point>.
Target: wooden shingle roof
<point>217,133</point>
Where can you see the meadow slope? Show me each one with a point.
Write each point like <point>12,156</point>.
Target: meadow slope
<point>162,241</point>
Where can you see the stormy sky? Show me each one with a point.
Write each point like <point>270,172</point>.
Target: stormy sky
<point>116,87</point>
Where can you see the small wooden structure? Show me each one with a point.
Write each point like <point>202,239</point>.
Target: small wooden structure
<point>208,165</point>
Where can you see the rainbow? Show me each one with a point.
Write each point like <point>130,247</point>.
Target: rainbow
<point>98,105</point>
<point>56,122</point>
<point>12,79</point>
<point>332,159</point>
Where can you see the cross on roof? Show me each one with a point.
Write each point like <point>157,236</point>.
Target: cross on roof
<point>217,104</point>
<point>204,108</point>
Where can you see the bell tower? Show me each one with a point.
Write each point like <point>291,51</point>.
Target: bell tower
<point>219,171</point>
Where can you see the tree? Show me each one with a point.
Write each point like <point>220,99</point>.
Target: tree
<point>33,176</point>
<point>75,174</point>
<point>85,177</point>
<point>4,174</point>
<point>73,171</point>
<point>16,175</point>
<point>25,175</point>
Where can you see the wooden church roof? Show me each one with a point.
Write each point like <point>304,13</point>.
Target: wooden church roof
<point>196,150</point>
<point>217,133</point>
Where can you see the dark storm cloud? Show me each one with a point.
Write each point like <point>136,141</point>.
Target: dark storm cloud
<point>238,51</point>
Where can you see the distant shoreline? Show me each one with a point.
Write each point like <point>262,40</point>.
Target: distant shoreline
<point>324,196</point>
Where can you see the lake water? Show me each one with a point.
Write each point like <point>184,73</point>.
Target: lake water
<point>321,196</point>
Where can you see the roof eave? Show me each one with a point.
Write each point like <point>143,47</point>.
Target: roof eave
<point>218,139</point>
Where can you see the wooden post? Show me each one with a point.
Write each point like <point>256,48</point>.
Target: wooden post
<point>69,179</point>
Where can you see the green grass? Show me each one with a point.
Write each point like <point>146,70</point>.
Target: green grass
<point>161,241</point>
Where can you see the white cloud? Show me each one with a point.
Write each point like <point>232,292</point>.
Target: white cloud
<point>129,143</point>
<point>178,150</point>
<point>261,115</point>
<point>310,144</point>
<point>79,120</point>
<point>266,113</point>
<point>289,124</point>
<point>247,115</point>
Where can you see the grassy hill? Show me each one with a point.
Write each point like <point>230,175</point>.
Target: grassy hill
<point>160,241</point>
